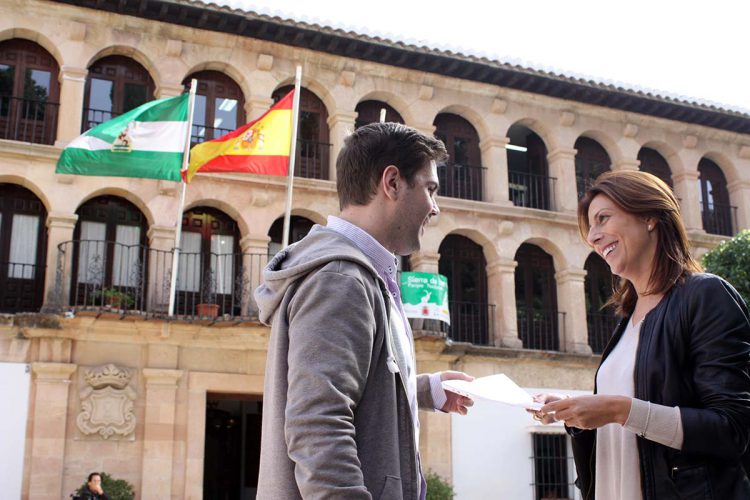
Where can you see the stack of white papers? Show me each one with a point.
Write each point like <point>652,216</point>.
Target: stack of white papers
<point>497,388</point>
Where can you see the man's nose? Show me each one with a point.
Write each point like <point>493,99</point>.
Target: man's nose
<point>435,208</point>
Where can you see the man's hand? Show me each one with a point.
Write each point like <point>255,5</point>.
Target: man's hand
<point>455,402</point>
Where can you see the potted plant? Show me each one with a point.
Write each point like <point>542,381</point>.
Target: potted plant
<point>207,308</point>
<point>114,298</point>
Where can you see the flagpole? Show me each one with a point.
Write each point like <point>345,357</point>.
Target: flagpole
<point>180,208</point>
<point>292,157</point>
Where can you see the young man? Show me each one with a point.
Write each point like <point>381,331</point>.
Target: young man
<point>341,390</point>
<point>93,489</point>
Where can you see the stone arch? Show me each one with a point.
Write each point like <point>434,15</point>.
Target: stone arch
<point>607,142</point>
<point>558,256</point>
<point>317,88</point>
<point>673,159</point>
<point>130,196</point>
<point>539,128</point>
<point>25,182</point>
<point>27,34</point>
<point>133,53</point>
<point>223,67</point>
<point>470,115</point>
<point>488,246</point>
<point>224,206</point>
<point>394,100</point>
<point>725,164</point>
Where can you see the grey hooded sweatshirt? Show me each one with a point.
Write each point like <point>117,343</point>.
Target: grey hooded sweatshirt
<point>336,420</point>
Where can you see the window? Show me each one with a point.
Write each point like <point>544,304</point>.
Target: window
<point>529,183</point>
<point>717,213</point>
<point>29,91</point>
<point>313,146</point>
<point>461,176</point>
<point>115,85</point>
<point>298,229</point>
<point>219,106</point>
<point>552,475</point>
<point>110,253</point>
<point>369,112</point>
<point>536,299</point>
<point>23,249</point>
<point>598,289</point>
<point>591,161</point>
<point>654,163</point>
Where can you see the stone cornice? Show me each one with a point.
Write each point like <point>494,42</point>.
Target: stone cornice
<point>53,372</point>
<point>561,154</point>
<point>161,376</point>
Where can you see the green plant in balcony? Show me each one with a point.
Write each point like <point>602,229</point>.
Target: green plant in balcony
<point>114,297</point>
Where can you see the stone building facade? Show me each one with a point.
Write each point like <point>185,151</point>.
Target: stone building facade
<point>116,385</point>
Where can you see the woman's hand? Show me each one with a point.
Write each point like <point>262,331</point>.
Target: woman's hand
<point>587,412</point>
<point>539,416</point>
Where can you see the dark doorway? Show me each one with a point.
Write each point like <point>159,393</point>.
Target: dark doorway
<point>232,453</point>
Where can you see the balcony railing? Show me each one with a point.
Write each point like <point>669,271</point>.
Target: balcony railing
<point>532,190</point>
<point>471,322</point>
<point>28,120</point>
<point>21,287</point>
<point>105,276</point>
<point>719,218</point>
<point>312,159</point>
<point>201,133</point>
<point>461,181</point>
<point>540,328</point>
<point>93,117</point>
<point>601,326</point>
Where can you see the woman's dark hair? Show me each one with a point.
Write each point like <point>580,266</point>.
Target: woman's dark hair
<point>91,476</point>
<point>644,195</point>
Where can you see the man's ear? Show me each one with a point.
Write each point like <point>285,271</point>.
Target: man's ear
<point>391,182</point>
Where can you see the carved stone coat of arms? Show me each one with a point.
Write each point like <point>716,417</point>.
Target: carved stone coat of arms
<point>107,403</point>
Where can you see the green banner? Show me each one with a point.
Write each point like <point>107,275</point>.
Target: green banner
<point>425,295</point>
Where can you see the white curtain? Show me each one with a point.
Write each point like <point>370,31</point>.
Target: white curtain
<point>92,253</point>
<point>126,258</point>
<point>222,265</point>
<point>189,268</point>
<point>23,246</point>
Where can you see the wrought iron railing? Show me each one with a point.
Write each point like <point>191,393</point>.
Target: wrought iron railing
<point>312,159</point>
<point>28,120</point>
<point>719,218</point>
<point>532,190</point>
<point>93,117</point>
<point>135,279</point>
<point>540,329</point>
<point>461,181</point>
<point>601,326</point>
<point>553,468</point>
<point>471,322</point>
<point>21,287</point>
<point>202,133</point>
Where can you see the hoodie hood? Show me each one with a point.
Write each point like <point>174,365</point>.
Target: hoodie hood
<point>295,262</point>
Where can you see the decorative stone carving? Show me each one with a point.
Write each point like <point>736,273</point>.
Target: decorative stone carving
<point>107,403</point>
<point>347,78</point>
<point>567,118</point>
<point>630,130</point>
<point>426,92</point>
<point>499,106</point>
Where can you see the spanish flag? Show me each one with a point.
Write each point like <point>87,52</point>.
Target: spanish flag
<point>260,147</point>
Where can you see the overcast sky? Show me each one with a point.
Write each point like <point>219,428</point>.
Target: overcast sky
<point>689,49</point>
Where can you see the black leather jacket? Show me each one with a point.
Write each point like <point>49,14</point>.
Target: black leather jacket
<point>693,352</point>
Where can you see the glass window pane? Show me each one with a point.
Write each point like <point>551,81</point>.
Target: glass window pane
<point>222,265</point>
<point>100,102</point>
<point>225,116</point>
<point>6,88</point>
<point>37,85</point>
<point>92,251</point>
<point>135,95</point>
<point>199,119</point>
<point>23,246</point>
<point>189,267</point>
<point>126,266</point>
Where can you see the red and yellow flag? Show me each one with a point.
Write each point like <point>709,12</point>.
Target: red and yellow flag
<point>260,147</point>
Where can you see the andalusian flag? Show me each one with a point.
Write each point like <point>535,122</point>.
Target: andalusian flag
<point>260,147</point>
<point>147,142</point>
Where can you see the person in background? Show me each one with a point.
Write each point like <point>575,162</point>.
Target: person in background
<point>93,489</point>
<point>341,392</point>
<point>670,414</point>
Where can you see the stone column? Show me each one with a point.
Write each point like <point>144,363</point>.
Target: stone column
<point>341,125</point>
<point>501,287</point>
<point>160,243</point>
<point>159,431</point>
<point>254,249</point>
<point>60,229</point>
<point>169,89</point>
<point>739,196</point>
<point>49,417</point>
<point>256,106</point>
<point>495,160</point>
<point>571,299</point>
<point>562,166</point>
<point>686,189</point>
<point>72,84</point>
<point>626,164</point>
<point>425,262</point>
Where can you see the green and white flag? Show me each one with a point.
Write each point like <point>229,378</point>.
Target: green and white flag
<point>146,142</point>
<point>425,295</point>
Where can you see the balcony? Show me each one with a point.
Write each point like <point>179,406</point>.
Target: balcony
<point>471,322</point>
<point>461,181</point>
<point>109,277</point>
<point>312,159</point>
<point>531,190</point>
<point>201,133</point>
<point>28,120</point>
<point>719,218</point>
<point>601,326</point>
<point>93,117</point>
<point>21,287</point>
<point>539,328</point>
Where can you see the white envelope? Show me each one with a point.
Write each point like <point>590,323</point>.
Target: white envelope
<point>497,388</point>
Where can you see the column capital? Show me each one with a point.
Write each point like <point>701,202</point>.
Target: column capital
<point>254,242</point>
<point>425,128</point>
<point>169,89</point>
<point>162,376</point>
<point>73,74</point>
<point>493,142</point>
<point>626,164</point>
<point>342,117</point>
<point>53,372</point>
<point>691,175</point>
<point>739,184</point>
<point>562,154</point>
<point>256,105</point>
<point>161,232</point>
<point>501,265</point>
<point>60,220</point>
<point>421,259</point>
<point>571,274</point>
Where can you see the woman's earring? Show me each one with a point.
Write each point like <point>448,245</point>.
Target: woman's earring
<point>650,227</point>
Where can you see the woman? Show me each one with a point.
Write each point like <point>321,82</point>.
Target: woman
<point>670,414</point>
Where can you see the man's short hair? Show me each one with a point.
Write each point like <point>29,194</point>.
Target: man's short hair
<point>371,148</point>
<point>91,476</point>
